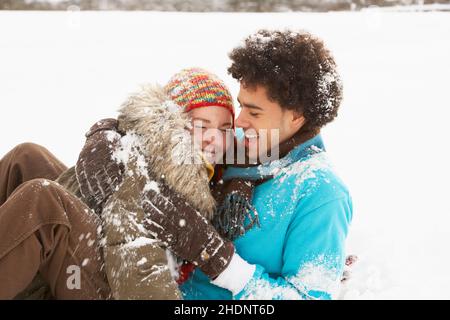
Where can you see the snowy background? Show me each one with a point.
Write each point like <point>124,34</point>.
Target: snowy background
<point>62,71</point>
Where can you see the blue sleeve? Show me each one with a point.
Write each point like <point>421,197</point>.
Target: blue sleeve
<point>313,256</point>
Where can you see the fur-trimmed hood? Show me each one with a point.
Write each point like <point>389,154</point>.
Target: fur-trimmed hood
<point>163,129</point>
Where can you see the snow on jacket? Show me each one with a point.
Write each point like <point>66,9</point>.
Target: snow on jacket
<point>156,152</point>
<point>298,251</point>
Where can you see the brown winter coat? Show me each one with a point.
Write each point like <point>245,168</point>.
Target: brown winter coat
<point>155,129</point>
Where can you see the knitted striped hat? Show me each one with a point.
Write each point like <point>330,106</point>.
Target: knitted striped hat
<point>195,88</point>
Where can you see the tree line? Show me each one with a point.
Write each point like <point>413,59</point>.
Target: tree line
<point>209,5</point>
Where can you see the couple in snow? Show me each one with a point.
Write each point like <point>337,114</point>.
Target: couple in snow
<point>158,205</point>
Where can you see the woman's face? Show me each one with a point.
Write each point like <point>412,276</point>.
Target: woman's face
<point>212,131</point>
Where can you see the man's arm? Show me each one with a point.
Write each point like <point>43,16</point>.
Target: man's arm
<point>313,259</point>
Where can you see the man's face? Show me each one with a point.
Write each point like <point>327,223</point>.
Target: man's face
<point>261,119</point>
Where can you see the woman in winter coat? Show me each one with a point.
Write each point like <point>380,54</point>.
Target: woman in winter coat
<point>149,159</point>
<point>165,143</point>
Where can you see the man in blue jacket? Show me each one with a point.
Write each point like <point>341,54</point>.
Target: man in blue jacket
<point>290,243</point>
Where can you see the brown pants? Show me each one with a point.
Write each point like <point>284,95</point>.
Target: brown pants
<point>46,232</point>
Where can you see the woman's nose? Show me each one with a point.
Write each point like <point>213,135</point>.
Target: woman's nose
<point>209,136</point>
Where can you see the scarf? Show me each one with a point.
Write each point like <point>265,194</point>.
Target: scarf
<point>235,214</point>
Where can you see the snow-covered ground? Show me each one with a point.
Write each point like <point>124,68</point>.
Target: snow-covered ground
<point>62,71</point>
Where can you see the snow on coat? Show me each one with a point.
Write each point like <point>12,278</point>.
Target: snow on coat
<point>157,146</point>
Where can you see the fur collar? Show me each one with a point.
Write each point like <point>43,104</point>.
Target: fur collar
<point>163,127</point>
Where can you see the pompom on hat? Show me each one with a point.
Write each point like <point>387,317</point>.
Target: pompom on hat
<point>196,88</point>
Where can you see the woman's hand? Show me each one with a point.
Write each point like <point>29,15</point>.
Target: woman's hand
<point>98,174</point>
<point>185,231</point>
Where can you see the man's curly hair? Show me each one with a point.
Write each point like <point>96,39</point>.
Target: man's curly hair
<point>296,69</point>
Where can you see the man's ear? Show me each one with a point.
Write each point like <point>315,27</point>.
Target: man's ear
<point>298,120</point>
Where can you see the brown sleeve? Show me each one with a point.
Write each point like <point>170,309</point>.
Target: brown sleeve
<point>174,221</point>
<point>97,171</point>
<point>136,265</point>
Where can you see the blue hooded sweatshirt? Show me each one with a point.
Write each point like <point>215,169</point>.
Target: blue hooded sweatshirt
<point>298,252</point>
